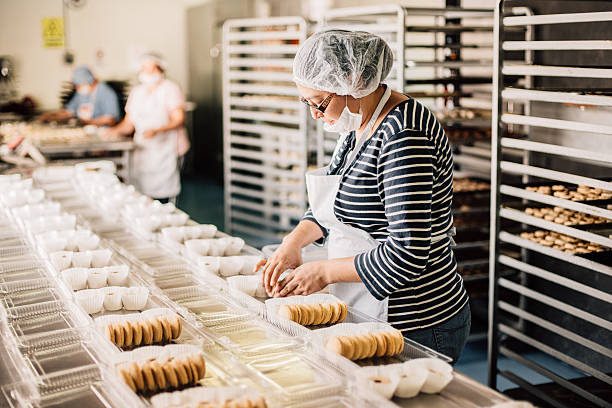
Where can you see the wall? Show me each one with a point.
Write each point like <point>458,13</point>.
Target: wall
<point>114,27</point>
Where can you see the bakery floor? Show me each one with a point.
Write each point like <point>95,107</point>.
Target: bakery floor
<point>203,200</point>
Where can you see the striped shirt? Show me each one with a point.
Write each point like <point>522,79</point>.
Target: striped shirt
<point>399,189</point>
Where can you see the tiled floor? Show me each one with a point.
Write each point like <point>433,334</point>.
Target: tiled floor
<point>203,201</point>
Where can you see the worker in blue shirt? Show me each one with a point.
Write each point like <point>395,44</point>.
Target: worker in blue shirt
<point>94,103</point>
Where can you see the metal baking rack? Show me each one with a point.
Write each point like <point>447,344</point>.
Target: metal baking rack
<point>265,138</point>
<point>558,304</point>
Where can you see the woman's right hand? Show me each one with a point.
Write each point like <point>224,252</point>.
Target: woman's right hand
<point>287,256</point>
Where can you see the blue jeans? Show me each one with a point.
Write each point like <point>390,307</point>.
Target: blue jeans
<point>448,337</point>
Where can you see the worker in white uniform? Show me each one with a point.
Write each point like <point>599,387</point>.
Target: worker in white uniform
<point>155,112</point>
<point>383,205</point>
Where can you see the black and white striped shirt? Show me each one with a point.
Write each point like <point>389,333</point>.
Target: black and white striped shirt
<point>399,189</point>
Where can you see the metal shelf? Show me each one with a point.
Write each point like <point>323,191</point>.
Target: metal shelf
<point>574,320</point>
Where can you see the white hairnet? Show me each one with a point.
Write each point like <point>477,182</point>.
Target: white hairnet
<point>343,62</point>
<point>158,59</point>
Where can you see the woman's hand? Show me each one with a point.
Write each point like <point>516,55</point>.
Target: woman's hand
<point>287,256</point>
<point>309,278</point>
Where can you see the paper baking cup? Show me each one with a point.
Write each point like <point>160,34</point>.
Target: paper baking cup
<point>379,379</point>
<point>75,278</point>
<point>175,234</point>
<point>91,300</point>
<point>112,298</point>
<point>100,257</point>
<point>217,247</point>
<point>234,245</point>
<point>249,264</point>
<point>245,284</point>
<point>96,278</point>
<point>210,264</point>
<point>230,266</point>
<point>61,260</point>
<point>81,259</point>
<point>411,378</point>
<point>198,246</point>
<point>135,298</point>
<point>439,375</point>
<point>117,275</point>
<point>52,244</point>
<point>158,311</point>
<point>200,231</point>
<point>88,243</point>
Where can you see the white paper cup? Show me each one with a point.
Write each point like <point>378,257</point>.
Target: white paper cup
<point>230,266</point>
<point>97,278</point>
<point>244,284</point>
<point>49,244</point>
<point>379,379</point>
<point>411,379</point>
<point>217,247</point>
<point>88,243</point>
<point>76,278</point>
<point>210,264</point>
<point>234,245</point>
<point>135,298</point>
<point>198,246</point>
<point>91,300</point>
<point>439,374</point>
<point>81,259</point>
<point>113,296</point>
<point>117,275</point>
<point>61,260</point>
<point>100,257</point>
<point>175,234</point>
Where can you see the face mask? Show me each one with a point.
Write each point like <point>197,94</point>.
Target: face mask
<point>347,122</point>
<point>149,79</point>
<point>84,89</point>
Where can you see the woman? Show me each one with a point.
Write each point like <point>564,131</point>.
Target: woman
<point>155,112</point>
<point>383,204</point>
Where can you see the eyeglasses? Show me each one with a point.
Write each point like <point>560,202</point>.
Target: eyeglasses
<point>322,106</point>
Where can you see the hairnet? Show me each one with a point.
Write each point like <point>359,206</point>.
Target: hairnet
<point>343,62</point>
<point>156,58</point>
<point>82,75</point>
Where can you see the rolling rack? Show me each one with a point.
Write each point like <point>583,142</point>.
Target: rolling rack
<point>264,128</point>
<point>559,218</point>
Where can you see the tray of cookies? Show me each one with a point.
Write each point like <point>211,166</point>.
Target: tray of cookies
<point>569,245</point>
<point>564,216</point>
<point>578,193</point>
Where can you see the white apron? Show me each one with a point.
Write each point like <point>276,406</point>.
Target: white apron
<point>344,240</point>
<point>155,168</point>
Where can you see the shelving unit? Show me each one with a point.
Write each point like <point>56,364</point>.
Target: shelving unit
<point>265,128</point>
<point>558,301</point>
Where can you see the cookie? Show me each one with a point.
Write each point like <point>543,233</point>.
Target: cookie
<point>147,332</point>
<point>158,331</point>
<point>400,342</point>
<point>109,333</point>
<point>119,337</point>
<point>137,377</point>
<point>128,335</point>
<point>170,374</point>
<point>381,344</point>
<point>194,370</point>
<point>185,363</point>
<point>136,332</point>
<point>260,402</point>
<point>307,313</point>
<point>167,328</point>
<point>327,313</point>
<point>335,345</point>
<point>285,311</point>
<point>176,326</point>
<point>149,377</point>
<point>127,378</point>
<point>158,373</point>
<point>181,373</point>
<point>318,314</point>
<point>370,342</point>
<point>336,312</point>
<point>344,311</point>
<point>200,364</point>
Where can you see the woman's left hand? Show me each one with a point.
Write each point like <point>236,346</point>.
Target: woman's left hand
<point>308,278</point>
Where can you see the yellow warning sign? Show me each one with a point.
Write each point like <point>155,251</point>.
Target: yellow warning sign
<point>53,32</point>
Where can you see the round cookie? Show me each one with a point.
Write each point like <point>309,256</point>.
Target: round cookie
<point>119,338</point>
<point>285,312</point>
<point>336,312</point>
<point>335,345</point>
<point>147,332</point>
<point>167,328</point>
<point>176,326</point>
<point>310,313</point>
<point>158,373</point>
<point>381,344</point>
<point>170,374</point>
<point>260,402</point>
<point>184,361</point>
<point>200,364</point>
<point>109,333</point>
<point>136,332</point>
<point>327,313</point>
<point>370,342</point>
<point>344,311</point>
<point>149,377</point>
<point>181,374</point>
<point>194,370</point>
<point>128,335</point>
<point>137,377</point>
<point>318,314</point>
<point>127,378</point>
<point>158,331</point>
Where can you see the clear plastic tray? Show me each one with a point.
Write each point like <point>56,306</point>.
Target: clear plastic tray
<point>28,292</point>
<point>42,318</point>
<point>22,274</point>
